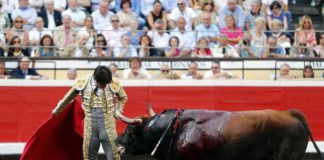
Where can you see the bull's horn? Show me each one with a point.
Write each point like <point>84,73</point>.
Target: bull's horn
<point>126,119</point>
<point>150,110</point>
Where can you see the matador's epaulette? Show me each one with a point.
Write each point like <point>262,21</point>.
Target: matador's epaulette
<point>81,83</point>
<point>114,85</point>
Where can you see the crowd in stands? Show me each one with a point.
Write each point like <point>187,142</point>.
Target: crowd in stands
<point>155,28</point>
<point>162,28</point>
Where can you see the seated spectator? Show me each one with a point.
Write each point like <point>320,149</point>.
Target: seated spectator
<point>166,73</point>
<point>283,37</point>
<point>22,71</point>
<point>195,4</point>
<point>234,33</point>
<point>173,49</point>
<point>65,35</point>
<point>100,49</point>
<point>284,73</point>
<point>126,49</point>
<point>208,6</point>
<point>183,11</point>
<point>155,14</point>
<point>187,39</point>
<point>3,73</point>
<point>258,40</point>
<point>202,50</point>
<point>135,70</point>
<point>276,13</point>
<point>134,34</point>
<point>146,48</point>
<point>80,49</point>
<point>192,72</point>
<point>159,37</point>
<point>216,72</point>
<point>52,18</point>
<point>88,28</point>
<point>27,13</point>
<point>114,68</point>
<point>251,16</point>
<point>17,30</point>
<point>272,49</point>
<point>235,11</point>
<point>318,50</point>
<point>77,15</point>
<point>37,33</point>
<point>60,5</point>
<point>5,24</point>
<point>223,49</point>
<point>16,49</point>
<point>308,72</point>
<point>135,7</point>
<point>102,16</point>
<point>126,14</point>
<point>38,5</point>
<point>46,48</point>
<point>208,30</point>
<point>72,74</point>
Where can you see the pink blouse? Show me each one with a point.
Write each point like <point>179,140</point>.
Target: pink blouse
<point>306,37</point>
<point>232,34</point>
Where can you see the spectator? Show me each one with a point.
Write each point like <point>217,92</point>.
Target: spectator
<point>126,49</point>
<point>276,13</point>
<point>235,11</point>
<point>52,18</point>
<point>37,4</point>
<point>46,48</point>
<point>146,48</point>
<point>208,6</point>
<point>100,49</point>
<point>166,73</point>
<point>195,4</point>
<point>155,14</point>
<point>114,68</point>
<point>135,70</point>
<point>308,72</point>
<point>223,49</point>
<point>80,49</point>
<point>173,49</point>
<point>60,5</point>
<point>16,49</point>
<point>101,17</point>
<point>77,15</point>
<point>147,6</point>
<point>187,39</point>
<point>88,28</point>
<point>251,16</point>
<point>134,34</point>
<point>9,6</point>
<point>283,37</point>
<point>113,33</point>
<point>216,72</point>
<point>3,73</point>
<point>126,14</point>
<point>202,50</point>
<point>183,11</point>
<point>305,33</point>
<point>136,8</point>
<point>159,37</point>
<point>72,74</point>
<point>192,72</point>
<point>208,30</point>
<point>258,40</point>
<point>233,32</point>
<point>272,49</point>
<point>37,33</point>
<point>266,5</point>
<point>17,30</point>
<point>22,71</point>
<point>64,35</point>
<point>284,73</point>
<point>318,50</point>
<point>5,24</point>
<point>28,14</point>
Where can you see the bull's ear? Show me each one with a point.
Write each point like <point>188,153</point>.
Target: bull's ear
<point>150,110</point>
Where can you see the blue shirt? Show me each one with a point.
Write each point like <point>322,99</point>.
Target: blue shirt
<point>238,13</point>
<point>211,31</point>
<point>136,6</point>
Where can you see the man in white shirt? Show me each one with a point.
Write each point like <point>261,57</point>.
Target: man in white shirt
<point>223,49</point>
<point>187,39</point>
<point>37,33</point>
<point>76,14</point>
<point>101,17</point>
<point>51,17</point>
<point>216,72</point>
<point>183,11</point>
<point>160,39</point>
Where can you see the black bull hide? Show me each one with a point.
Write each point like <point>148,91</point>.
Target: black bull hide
<point>219,135</point>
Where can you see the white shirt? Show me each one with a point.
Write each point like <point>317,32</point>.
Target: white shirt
<point>189,14</point>
<point>100,22</point>
<point>9,5</point>
<point>59,4</point>
<point>113,36</point>
<point>51,21</point>
<point>37,35</point>
<point>209,74</point>
<point>77,16</point>
<point>142,70</point>
<point>187,39</point>
<point>78,52</point>
<point>158,40</point>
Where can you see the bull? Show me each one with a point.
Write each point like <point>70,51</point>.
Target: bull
<point>220,135</point>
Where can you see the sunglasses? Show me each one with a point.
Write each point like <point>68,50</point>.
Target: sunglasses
<point>180,4</point>
<point>208,3</point>
<point>214,67</point>
<point>18,21</point>
<point>165,70</point>
<point>113,21</point>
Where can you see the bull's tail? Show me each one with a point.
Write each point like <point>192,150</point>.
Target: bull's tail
<point>302,118</point>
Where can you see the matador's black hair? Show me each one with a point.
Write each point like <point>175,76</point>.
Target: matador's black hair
<point>102,74</point>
